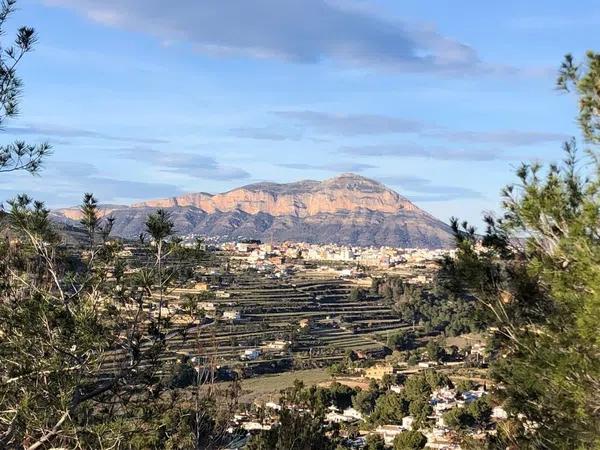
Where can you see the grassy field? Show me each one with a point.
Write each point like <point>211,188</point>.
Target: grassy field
<point>267,387</point>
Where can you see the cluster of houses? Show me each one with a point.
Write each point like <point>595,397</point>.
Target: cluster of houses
<point>439,436</point>
<point>269,254</point>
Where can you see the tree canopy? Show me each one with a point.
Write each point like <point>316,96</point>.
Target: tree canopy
<point>535,275</point>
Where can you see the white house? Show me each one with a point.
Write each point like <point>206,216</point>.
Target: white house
<point>232,314</point>
<point>407,422</point>
<point>277,345</point>
<point>353,413</point>
<point>207,306</point>
<point>250,354</point>
<point>389,432</point>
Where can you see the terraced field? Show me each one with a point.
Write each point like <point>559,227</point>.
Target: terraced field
<point>271,310</point>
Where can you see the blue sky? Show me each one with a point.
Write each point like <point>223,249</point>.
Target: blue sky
<point>440,100</point>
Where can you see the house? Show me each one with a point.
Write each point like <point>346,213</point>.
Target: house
<point>247,246</point>
<point>251,426</point>
<point>336,417</point>
<point>207,306</point>
<point>353,413</point>
<point>345,273</point>
<point>277,345</point>
<point>163,311</point>
<point>389,432</point>
<point>427,364</point>
<point>250,354</point>
<point>222,294</point>
<point>232,314</point>
<point>407,422</point>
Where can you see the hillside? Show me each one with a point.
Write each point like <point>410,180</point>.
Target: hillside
<point>347,209</point>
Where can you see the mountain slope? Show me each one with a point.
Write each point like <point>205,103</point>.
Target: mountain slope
<point>348,209</point>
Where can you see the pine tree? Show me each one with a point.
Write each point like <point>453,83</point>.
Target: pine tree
<point>536,276</point>
<point>18,155</point>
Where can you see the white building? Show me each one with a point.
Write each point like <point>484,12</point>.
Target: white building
<point>389,432</point>
<point>250,354</point>
<point>353,413</point>
<point>207,306</point>
<point>232,315</point>
<point>277,345</point>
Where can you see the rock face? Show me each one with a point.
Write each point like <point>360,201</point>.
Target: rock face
<point>347,209</point>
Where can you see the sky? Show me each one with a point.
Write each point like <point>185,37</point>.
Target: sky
<point>439,100</point>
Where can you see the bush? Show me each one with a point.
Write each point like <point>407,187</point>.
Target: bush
<point>410,440</point>
<point>375,442</point>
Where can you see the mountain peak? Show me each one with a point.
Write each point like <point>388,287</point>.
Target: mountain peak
<point>353,181</point>
<point>347,208</point>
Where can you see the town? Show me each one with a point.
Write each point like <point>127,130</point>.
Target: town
<point>268,316</point>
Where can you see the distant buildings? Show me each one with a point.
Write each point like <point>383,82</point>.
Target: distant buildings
<point>276,345</point>
<point>250,354</point>
<point>232,314</point>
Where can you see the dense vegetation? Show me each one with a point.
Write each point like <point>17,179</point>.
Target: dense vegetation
<point>536,278</point>
<point>434,307</point>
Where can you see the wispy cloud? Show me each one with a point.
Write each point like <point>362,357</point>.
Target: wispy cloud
<point>333,167</point>
<point>66,181</point>
<point>428,191</point>
<point>50,130</point>
<point>352,124</point>
<point>191,164</point>
<point>301,31</point>
<point>422,151</point>
<point>507,137</point>
<point>267,134</point>
<point>378,124</point>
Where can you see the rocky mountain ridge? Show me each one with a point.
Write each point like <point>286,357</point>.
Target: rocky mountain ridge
<point>347,209</point>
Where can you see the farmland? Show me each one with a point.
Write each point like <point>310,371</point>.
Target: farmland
<point>310,317</point>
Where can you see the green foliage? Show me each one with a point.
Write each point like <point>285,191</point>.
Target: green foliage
<point>184,375</point>
<point>476,413</point>
<point>375,442</point>
<point>296,431</point>
<point>341,395</point>
<point>420,410</point>
<point>458,418</point>
<point>337,369</point>
<point>535,277</point>
<point>410,440</point>
<point>18,155</point>
<point>159,225</point>
<point>437,310</point>
<point>357,294</point>
<point>403,340</point>
<point>364,401</point>
<point>300,421</point>
<point>435,351</point>
<point>390,379</point>
<point>61,319</point>
<point>586,81</point>
<point>465,385</point>
<point>390,408</point>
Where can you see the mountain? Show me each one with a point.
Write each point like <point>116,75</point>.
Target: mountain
<point>347,209</point>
